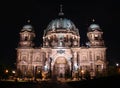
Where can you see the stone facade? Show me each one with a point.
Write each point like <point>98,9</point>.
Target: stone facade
<point>61,53</point>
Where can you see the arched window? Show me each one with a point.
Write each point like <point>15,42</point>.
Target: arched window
<point>26,38</point>
<point>98,58</point>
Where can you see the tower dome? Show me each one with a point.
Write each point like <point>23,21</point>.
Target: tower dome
<point>93,27</point>
<point>27,28</point>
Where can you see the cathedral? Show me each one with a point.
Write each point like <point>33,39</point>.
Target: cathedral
<point>61,53</point>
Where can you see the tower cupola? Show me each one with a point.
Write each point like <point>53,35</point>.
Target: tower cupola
<point>26,36</point>
<point>95,35</point>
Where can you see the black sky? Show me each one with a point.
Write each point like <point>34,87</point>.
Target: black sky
<point>13,15</point>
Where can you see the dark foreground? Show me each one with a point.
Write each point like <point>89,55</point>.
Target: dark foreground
<point>108,82</point>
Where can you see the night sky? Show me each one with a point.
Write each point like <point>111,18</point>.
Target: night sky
<point>14,15</point>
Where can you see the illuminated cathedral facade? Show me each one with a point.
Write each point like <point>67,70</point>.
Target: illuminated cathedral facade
<point>61,54</point>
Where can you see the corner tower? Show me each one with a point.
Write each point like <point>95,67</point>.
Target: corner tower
<point>95,35</point>
<point>26,36</point>
<point>25,51</point>
<point>97,50</point>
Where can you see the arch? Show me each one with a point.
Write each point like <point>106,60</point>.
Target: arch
<point>67,57</point>
<point>61,60</point>
<point>61,67</point>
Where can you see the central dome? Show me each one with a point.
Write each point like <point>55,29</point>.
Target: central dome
<point>61,24</point>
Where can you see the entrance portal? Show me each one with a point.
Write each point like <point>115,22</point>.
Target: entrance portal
<point>61,67</point>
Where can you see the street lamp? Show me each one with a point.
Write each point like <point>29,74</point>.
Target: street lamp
<point>117,67</point>
<point>6,71</point>
<point>13,72</point>
<point>38,71</point>
<point>117,64</point>
<point>6,74</point>
<point>82,73</point>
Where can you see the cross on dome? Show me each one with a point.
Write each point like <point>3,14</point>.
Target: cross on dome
<point>61,11</point>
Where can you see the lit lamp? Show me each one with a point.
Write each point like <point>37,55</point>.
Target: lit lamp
<point>46,68</point>
<point>76,67</point>
<point>117,64</point>
<point>82,72</point>
<point>117,67</point>
<point>6,71</point>
<point>76,70</point>
<point>38,71</point>
<point>13,72</point>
